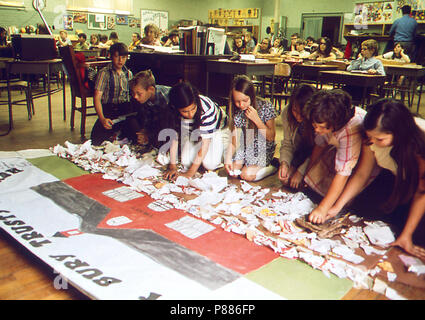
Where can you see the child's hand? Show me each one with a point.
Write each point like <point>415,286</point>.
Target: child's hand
<point>296,180</point>
<point>252,114</point>
<point>318,215</point>
<point>229,167</point>
<point>107,123</point>
<point>371,71</point>
<point>171,174</point>
<point>283,172</point>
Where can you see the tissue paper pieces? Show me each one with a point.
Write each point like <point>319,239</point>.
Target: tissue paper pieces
<point>272,219</point>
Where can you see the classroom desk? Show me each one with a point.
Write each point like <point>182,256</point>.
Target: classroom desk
<point>413,72</point>
<point>171,68</point>
<point>310,71</point>
<point>224,66</point>
<point>43,67</point>
<point>363,80</point>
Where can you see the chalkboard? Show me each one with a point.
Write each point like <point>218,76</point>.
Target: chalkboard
<point>159,18</point>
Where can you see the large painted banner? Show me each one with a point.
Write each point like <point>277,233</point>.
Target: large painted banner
<point>113,241</point>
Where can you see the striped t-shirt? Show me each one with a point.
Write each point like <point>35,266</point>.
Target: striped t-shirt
<point>212,119</point>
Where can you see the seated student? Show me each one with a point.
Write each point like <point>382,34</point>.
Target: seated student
<point>63,39</point>
<point>94,40</point>
<point>135,41</point>
<point>337,52</point>
<point>81,44</point>
<point>297,142</point>
<point>338,141</point>
<point>396,55</point>
<point>262,47</point>
<point>366,62</point>
<point>111,95</point>
<point>299,52</point>
<point>153,113</point>
<point>202,127</point>
<point>173,39</point>
<point>113,38</point>
<point>103,40</point>
<point>277,48</point>
<point>395,141</point>
<point>294,38</point>
<point>256,144</point>
<point>238,45</point>
<point>367,59</point>
<point>311,44</point>
<point>249,42</point>
<point>324,50</point>
<point>3,37</point>
<point>151,35</point>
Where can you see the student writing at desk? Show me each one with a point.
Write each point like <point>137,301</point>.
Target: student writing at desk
<point>300,51</point>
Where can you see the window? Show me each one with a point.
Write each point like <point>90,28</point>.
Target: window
<point>101,6</point>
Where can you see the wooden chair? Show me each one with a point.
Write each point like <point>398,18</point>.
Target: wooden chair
<point>78,90</point>
<point>282,73</point>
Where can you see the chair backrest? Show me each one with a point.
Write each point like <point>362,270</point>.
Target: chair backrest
<point>68,57</point>
<point>282,70</point>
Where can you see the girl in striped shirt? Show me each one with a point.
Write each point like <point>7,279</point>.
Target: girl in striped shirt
<point>201,125</point>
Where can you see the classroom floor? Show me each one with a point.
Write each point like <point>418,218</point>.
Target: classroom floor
<point>24,277</point>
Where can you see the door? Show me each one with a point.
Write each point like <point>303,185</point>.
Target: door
<point>312,27</point>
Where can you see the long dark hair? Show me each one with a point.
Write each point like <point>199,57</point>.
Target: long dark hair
<point>181,96</point>
<point>3,41</point>
<point>299,97</point>
<point>242,84</point>
<point>393,117</point>
<point>328,49</point>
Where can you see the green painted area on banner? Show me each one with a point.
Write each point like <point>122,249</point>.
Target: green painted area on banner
<point>58,167</point>
<point>297,280</point>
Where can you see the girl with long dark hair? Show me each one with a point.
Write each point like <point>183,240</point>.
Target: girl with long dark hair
<point>200,124</point>
<point>395,142</point>
<point>297,142</point>
<point>256,143</point>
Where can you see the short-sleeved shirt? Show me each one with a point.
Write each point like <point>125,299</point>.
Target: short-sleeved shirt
<point>259,151</point>
<point>114,85</point>
<point>348,143</point>
<point>212,119</point>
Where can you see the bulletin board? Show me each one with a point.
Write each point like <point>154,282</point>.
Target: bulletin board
<point>97,22</point>
<point>159,18</point>
<point>374,12</point>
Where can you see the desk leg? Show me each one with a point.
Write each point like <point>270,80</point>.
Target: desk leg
<point>64,95</point>
<point>419,96</point>
<point>49,98</point>
<point>9,100</point>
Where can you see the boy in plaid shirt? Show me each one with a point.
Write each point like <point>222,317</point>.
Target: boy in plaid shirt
<point>111,95</point>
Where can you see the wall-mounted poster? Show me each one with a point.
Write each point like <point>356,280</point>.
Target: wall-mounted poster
<point>110,22</point>
<point>80,17</point>
<point>68,22</point>
<point>122,20</point>
<point>96,22</point>
<point>159,18</point>
<point>133,22</point>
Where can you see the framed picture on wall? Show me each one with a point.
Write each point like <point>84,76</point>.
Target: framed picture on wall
<point>96,22</point>
<point>111,22</point>
<point>68,21</point>
<point>133,22</point>
<point>122,20</point>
